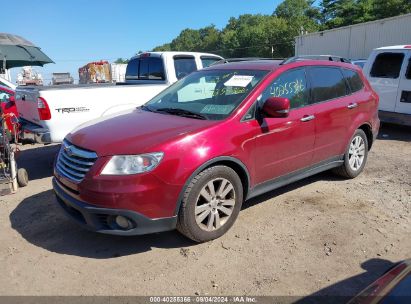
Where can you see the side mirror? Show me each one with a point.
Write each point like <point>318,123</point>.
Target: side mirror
<point>276,107</point>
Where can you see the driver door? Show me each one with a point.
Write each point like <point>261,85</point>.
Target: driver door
<point>284,145</point>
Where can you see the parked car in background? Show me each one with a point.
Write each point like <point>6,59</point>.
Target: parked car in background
<point>50,113</point>
<point>61,78</point>
<point>190,156</point>
<point>392,287</point>
<point>359,62</point>
<point>388,69</point>
<point>8,106</point>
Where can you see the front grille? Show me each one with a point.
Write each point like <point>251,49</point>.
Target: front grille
<point>73,162</point>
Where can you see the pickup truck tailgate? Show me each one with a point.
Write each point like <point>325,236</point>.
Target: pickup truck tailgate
<point>26,102</point>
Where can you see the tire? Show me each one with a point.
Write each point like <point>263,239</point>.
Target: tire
<point>357,149</point>
<point>204,216</point>
<point>22,177</point>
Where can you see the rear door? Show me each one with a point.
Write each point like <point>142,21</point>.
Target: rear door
<point>333,110</point>
<point>403,104</point>
<point>384,76</point>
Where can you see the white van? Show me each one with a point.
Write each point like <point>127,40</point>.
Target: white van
<point>388,69</point>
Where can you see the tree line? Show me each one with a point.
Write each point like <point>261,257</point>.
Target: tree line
<point>273,35</point>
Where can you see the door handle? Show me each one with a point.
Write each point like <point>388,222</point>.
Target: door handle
<point>307,118</point>
<point>352,105</point>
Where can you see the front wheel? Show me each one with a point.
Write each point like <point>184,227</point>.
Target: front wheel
<point>211,204</point>
<point>355,156</point>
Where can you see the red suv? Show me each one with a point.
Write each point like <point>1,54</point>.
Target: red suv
<point>188,158</point>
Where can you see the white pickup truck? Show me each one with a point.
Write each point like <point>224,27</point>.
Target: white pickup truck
<point>388,69</point>
<point>49,113</point>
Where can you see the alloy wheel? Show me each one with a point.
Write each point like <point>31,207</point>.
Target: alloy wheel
<point>356,153</point>
<point>215,204</point>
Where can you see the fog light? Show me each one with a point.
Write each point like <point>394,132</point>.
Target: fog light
<point>123,222</point>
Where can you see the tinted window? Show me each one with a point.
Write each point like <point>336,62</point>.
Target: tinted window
<point>387,65</point>
<point>156,69</point>
<point>353,79</point>
<point>326,83</point>
<point>207,61</point>
<point>132,69</point>
<point>184,66</point>
<point>292,85</point>
<point>408,74</point>
<point>145,68</point>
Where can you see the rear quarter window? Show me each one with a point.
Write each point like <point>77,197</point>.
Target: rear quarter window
<point>353,79</point>
<point>387,65</point>
<point>326,83</point>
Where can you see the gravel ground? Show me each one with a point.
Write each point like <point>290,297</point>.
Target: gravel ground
<point>322,235</point>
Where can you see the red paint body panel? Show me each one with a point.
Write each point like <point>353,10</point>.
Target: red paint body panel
<point>9,107</point>
<point>267,149</point>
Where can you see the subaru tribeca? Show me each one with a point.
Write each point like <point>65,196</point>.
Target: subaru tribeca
<point>188,158</point>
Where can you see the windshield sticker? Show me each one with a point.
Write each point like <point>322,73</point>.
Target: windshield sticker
<point>217,109</point>
<point>239,81</point>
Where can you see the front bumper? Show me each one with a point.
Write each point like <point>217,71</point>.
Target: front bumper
<point>34,133</point>
<point>102,219</point>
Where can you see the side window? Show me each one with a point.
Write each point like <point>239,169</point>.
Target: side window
<point>207,61</point>
<point>353,79</point>
<point>292,85</point>
<point>184,65</point>
<point>326,83</point>
<point>408,74</point>
<point>387,65</point>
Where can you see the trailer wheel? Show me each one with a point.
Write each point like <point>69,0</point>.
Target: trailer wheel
<point>22,177</point>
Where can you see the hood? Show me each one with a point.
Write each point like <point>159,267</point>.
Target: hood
<point>133,132</point>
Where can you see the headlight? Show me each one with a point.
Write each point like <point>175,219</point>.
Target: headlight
<point>132,164</point>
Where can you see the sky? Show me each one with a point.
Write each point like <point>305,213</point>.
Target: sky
<point>76,32</point>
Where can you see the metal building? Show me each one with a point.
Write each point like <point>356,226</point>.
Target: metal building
<point>356,41</point>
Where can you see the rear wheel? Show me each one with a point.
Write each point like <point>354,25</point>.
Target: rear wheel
<point>211,204</point>
<point>355,156</point>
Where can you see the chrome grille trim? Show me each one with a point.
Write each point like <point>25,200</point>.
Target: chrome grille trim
<point>74,162</point>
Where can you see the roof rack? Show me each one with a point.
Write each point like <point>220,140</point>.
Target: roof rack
<point>228,60</point>
<point>316,57</point>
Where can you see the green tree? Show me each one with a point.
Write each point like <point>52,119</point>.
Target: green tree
<point>121,60</point>
<point>389,8</point>
<point>290,9</point>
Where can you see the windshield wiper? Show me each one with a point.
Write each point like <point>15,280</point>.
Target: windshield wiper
<point>146,108</point>
<point>182,112</point>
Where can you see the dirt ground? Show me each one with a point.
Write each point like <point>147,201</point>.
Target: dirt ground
<point>322,235</point>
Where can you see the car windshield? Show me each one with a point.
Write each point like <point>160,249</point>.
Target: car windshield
<point>212,94</point>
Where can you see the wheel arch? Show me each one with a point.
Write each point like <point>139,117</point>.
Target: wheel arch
<point>231,162</point>
<point>366,127</point>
